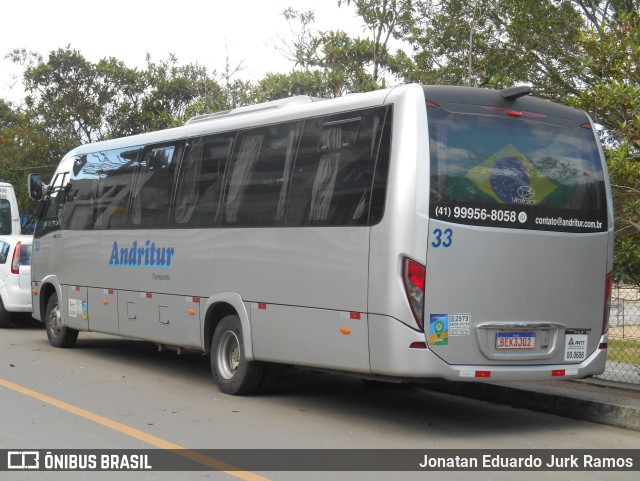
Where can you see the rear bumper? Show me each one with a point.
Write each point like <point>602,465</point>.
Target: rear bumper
<point>391,356</point>
<point>16,299</point>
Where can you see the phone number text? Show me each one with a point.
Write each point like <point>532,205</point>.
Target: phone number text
<point>476,213</point>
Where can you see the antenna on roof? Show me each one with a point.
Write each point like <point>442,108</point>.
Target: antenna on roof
<point>516,92</point>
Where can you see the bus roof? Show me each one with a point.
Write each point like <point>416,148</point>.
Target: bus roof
<point>231,120</point>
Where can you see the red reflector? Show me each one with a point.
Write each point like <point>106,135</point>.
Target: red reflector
<point>586,126</point>
<point>602,345</point>
<point>354,315</point>
<point>432,104</point>
<point>149,295</point>
<point>483,373</point>
<point>418,345</point>
<point>516,113</point>
<point>262,305</point>
<point>77,288</point>
<point>558,372</point>
<point>111,291</point>
<point>195,299</point>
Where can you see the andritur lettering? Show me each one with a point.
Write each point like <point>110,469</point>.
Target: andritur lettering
<point>141,255</point>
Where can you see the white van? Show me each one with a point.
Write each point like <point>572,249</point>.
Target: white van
<point>9,215</point>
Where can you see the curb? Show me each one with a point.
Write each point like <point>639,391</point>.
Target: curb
<point>608,413</point>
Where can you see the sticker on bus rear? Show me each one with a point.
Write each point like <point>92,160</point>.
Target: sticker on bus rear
<point>575,344</point>
<point>459,324</point>
<point>438,329</point>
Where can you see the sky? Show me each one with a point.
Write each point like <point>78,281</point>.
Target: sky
<point>202,31</point>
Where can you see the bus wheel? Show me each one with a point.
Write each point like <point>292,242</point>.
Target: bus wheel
<point>5,316</point>
<point>231,371</point>
<point>59,335</point>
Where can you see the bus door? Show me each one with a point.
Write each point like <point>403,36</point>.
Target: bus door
<point>518,232</point>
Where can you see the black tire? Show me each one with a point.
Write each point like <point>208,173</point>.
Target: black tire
<point>59,335</point>
<point>6,317</point>
<point>231,371</point>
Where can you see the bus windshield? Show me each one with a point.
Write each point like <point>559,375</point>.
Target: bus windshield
<point>515,170</point>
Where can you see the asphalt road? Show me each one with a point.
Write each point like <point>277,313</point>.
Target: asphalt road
<point>112,393</point>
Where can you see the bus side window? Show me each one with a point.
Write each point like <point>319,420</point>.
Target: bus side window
<point>52,217</point>
<point>379,191</point>
<point>260,174</point>
<point>154,185</point>
<point>200,180</point>
<point>113,190</point>
<point>79,196</point>
<point>333,173</point>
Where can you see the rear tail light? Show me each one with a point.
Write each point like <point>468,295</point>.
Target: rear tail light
<point>413,277</point>
<point>15,261</point>
<point>608,288</point>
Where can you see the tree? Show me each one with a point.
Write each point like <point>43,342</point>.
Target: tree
<point>24,148</point>
<point>495,43</point>
<point>330,63</point>
<point>79,101</point>
<point>384,19</point>
<point>611,93</point>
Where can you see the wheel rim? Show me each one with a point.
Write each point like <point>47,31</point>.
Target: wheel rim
<point>228,354</point>
<point>54,321</point>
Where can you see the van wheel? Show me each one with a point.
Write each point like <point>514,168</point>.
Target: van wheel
<point>231,371</point>
<point>59,335</point>
<point>5,316</point>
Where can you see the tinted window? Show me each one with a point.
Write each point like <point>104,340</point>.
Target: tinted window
<point>517,172</point>
<point>113,189</point>
<point>52,217</point>
<point>260,174</point>
<point>79,210</point>
<point>333,173</point>
<point>153,187</point>
<point>98,194</point>
<point>201,178</point>
<point>5,217</point>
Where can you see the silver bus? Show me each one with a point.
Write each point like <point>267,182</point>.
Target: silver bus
<point>400,235</point>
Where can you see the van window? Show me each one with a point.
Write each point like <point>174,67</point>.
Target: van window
<point>5,217</point>
<point>4,252</point>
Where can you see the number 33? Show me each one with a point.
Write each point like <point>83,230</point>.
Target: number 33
<point>444,239</point>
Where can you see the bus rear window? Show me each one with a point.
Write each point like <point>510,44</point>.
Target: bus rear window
<point>515,172</point>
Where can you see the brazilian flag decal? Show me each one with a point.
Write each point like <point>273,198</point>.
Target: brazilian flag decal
<point>508,177</point>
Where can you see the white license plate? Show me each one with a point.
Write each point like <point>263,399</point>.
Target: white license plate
<point>515,340</point>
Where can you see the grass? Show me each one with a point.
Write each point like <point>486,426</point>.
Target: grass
<point>624,350</point>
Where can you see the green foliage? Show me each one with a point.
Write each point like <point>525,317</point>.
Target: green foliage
<point>611,93</point>
<point>333,63</point>
<point>23,146</point>
<point>495,43</point>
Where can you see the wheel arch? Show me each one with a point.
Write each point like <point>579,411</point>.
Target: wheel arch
<point>220,306</point>
<point>48,287</point>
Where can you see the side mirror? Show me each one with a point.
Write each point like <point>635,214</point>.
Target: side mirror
<point>35,187</point>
